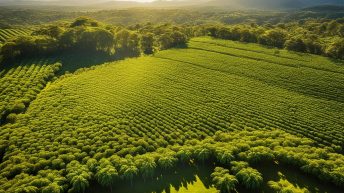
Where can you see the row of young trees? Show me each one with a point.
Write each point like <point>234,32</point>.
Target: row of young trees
<point>231,150</point>
<point>283,185</point>
<point>247,176</point>
<point>20,85</point>
<point>312,36</point>
<point>87,35</point>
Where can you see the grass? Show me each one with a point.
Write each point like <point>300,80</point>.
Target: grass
<point>194,187</point>
<point>196,179</point>
<point>184,179</point>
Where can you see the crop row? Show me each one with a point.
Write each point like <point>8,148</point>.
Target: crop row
<point>275,55</point>
<point>309,81</point>
<point>21,84</point>
<point>166,102</point>
<point>140,105</point>
<point>6,34</point>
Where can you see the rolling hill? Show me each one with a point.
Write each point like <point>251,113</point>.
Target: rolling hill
<point>214,84</point>
<point>233,4</point>
<point>215,100</point>
<point>268,4</point>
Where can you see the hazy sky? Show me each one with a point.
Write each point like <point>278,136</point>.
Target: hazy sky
<point>87,0</point>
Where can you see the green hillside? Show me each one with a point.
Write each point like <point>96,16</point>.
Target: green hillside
<point>140,105</point>
<point>6,34</point>
<point>196,88</point>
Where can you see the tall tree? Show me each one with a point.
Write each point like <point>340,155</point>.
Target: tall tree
<point>147,43</point>
<point>107,176</point>
<point>250,178</point>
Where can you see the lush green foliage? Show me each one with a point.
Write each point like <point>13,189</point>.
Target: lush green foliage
<point>223,180</point>
<point>77,174</point>
<point>250,178</point>
<point>316,36</point>
<point>87,35</point>
<point>136,117</point>
<point>6,34</point>
<point>284,186</point>
<point>324,37</point>
<point>282,71</point>
<point>26,16</point>
<point>20,85</point>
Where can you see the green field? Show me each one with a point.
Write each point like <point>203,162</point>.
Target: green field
<point>20,85</point>
<point>229,95</point>
<point>22,80</point>
<point>204,91</point>
<point>6,34</point>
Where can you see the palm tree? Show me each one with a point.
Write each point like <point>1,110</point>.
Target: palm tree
<point>92,164</point>
<point>250,178</point>
<point>40,182</point>
<point>80,183</point>
<point>107,176</point>
<point>146,166</point>
<point>52,188</point>
<point>184,155</point>
<point>203,154</point>
<point>283,185</point>
<point>129,172</point>
<point>227,183</point>
<point>223,180</point>
<point>219,171</point>
<point>167,161</point>
<point>225,157</point>
<point>238,165</point>
<point>28,189</point>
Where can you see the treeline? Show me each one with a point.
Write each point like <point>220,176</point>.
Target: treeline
<point>88,35</point>
<point>322,37</point>
<point>311,36</point>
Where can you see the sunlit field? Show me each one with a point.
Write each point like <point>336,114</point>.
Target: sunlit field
<point>140,105</point>
<point>171,96</point>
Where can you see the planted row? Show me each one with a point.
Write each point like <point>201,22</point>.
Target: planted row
<point>20,85</point>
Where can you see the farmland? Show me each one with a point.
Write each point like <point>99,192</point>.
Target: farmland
<point>21,85</point>
<point>6,34</point>
<point>217,101</point>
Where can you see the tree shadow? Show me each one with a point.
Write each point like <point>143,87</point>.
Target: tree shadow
<point>164,181</point>
<point>184,175</point>
<point>338,62</point>
<point>71,60</point>
<point>294,175</point>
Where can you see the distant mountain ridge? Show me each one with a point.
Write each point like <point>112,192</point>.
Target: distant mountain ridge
<point>235,4</point>
<point>321,8</point>
<point>279,4</point>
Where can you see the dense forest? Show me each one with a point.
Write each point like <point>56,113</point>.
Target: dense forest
<point>102,98</point>
<point>88,35</point>
<point>19,16</point>
<point>324,37</point>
